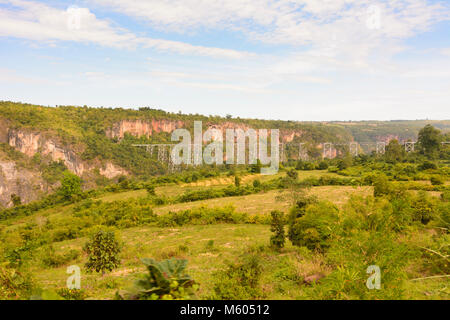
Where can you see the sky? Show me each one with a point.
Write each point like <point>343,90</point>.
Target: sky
<point>305,60</point>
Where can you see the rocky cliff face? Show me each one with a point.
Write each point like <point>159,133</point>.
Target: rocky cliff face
<point>30,143</point>
<point>140,128</point>
<point>22,182</point>
<point>29,184</point>
<point>285,134</point>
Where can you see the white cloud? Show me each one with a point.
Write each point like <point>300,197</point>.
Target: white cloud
<point>286,21</point>
<point>39,22</point>
<point>343,33</point>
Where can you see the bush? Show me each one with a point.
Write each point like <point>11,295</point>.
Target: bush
<point>240,280</point>
<point>53,260</point>
<point>103,250</point>
<point>323,165</point>
<point>314,229</point>
<point>382,186</point>
<point>424,208</point>
<point>352,255</point>
<point>293,174</point>
<point>72,294</point>
<point>150,190</point>
<point>436,180</point>
<point>15,284</point>
<point>256,184</point>
<point>427,165</point>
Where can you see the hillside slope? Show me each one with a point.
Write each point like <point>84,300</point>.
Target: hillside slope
<point>96,143</point>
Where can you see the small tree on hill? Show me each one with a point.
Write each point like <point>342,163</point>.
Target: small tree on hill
<point>70,185</point>
<point>103,250</point>
<point>277,240</point>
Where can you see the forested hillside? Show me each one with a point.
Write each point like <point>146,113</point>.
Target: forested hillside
<point>38,143</point>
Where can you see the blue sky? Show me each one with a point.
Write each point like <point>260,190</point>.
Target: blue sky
<point>285,59</point>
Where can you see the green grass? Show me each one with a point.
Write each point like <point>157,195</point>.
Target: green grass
<point>268,201</point>
<point>282,271</point>
<point>162,243</point>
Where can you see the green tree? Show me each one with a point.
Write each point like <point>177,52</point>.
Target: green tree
<point>430,140</point>
<point>394,152</point>
<point>277,240</point>
<point>103,250</point>
<point>70,185</point>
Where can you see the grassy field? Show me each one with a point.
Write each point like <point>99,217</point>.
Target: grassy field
<point>208,248</point>
<point>162,243</point>
<point>229,241</point>
<point>268,201</point>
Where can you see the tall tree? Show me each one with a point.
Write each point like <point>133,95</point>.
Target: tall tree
<point>394,152</point>
<point>430,140</point>
<point>70,185</point>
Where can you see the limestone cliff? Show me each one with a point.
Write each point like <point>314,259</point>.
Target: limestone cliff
<point>140,128</point>
<point>30,143</point>
<point>22,182</point>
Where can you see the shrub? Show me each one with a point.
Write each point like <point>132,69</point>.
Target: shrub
<point>436,180</point>
<point>277,227</point>
<point>15,284</point>
<point>435,255</point>
<point>382,186</point>
<point>424,208</point>
<point>352,255</point>
<point>53,260</point>
<point>333,169</point>
<point>445,196</point>
<point>315,227</point>
<point>323,165</point>
<point>256,183</point>
<point>103,250</point>
<point>293,174</point>
<point>150,190</point>
<point>72,294</point>
<point>240,280</point>
<point>427,165</point>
